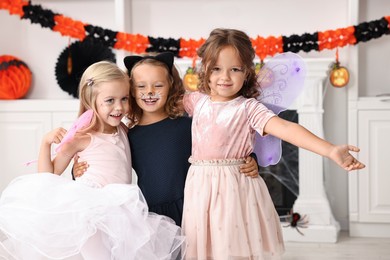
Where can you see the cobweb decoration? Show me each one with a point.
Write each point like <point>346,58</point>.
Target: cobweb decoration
<point>285,172</point>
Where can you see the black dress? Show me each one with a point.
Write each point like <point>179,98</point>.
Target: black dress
<point>160,153</point>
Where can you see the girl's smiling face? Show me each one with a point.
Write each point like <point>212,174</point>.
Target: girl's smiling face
<point>227,76</point>
<point>112,104</point>
<point>150,89</point>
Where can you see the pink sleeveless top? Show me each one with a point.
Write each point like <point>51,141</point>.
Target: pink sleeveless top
<point>109,159</point>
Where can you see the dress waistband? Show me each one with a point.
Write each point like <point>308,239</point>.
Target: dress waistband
<point>216,162</point>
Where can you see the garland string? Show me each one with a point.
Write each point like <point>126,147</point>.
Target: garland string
<point>137,43</point>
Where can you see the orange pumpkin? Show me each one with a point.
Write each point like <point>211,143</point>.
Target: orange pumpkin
<point>339,75</point>
<point>191,79</point>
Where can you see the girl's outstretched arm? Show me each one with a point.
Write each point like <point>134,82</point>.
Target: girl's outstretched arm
<point>303,138</point>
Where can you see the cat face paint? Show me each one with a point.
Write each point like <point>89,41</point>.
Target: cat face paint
<point>151,88</point>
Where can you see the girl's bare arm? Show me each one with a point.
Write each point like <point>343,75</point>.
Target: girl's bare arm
<point>303,138</point>
<point>45,163</point>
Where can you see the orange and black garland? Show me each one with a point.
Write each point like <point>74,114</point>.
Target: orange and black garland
<point>136,43</point>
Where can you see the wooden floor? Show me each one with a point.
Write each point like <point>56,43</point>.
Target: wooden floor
<point>346,248</point>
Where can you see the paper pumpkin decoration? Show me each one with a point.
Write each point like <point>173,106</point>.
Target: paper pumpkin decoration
<point>15,77</point>
<point>339,75</point>
<point>191,79</point>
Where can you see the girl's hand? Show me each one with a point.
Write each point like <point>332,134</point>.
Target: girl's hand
<point>55,136</point>
<point>250,168</point>
<point>341,155</point>
<point>79,167</point>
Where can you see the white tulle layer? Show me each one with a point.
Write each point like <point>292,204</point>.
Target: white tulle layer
<point>45,216</point>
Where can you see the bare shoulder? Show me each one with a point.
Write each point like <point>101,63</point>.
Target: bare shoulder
<point>81,140</point>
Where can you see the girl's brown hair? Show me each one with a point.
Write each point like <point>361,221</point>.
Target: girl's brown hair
<point>218,39</point>
<point>173,106</point>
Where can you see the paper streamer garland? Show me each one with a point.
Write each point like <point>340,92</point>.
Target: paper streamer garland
<point>136,43</point>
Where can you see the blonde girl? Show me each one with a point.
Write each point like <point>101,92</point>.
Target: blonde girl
<point>99,216</point>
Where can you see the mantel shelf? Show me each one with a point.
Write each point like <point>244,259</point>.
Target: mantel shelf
<point>39,105</point>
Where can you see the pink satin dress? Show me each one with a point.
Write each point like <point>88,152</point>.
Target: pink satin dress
<point>226,214</point>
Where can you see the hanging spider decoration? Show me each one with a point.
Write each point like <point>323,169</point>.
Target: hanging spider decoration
<point>295,220</point>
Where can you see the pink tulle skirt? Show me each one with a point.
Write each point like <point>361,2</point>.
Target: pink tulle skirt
<point>228,215</point>
<point>45,216</point>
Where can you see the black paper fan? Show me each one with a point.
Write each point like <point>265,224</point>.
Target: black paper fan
<point>83,54</point>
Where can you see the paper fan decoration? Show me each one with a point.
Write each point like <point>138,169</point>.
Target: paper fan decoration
<point>75,59</point>
<point>15,77</point>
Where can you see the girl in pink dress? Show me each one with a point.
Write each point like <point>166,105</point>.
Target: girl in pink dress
<point>99,216</point>
<point>226,214</point>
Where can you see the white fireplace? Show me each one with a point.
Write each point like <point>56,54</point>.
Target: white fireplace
<point>312,200</point>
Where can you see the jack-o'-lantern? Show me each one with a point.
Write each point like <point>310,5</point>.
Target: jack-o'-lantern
<point>339,75</point>
<point>191,79</point>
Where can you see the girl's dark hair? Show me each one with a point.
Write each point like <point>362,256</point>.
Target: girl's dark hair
<point>174,104</point>
<point>218,39</point>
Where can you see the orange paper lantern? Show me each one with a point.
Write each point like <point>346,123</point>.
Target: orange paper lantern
<point>15,78</point>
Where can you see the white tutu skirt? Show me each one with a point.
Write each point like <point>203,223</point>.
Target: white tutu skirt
<point>45,216</point>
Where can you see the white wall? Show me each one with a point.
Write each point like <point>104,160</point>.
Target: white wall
<point>374,56</point>
<point>40,47</point>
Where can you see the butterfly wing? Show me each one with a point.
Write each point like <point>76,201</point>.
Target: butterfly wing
<point>83,121</point>
<point>281,81</point>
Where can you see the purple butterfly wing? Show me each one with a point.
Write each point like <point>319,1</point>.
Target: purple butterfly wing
<point>83,121</point>
<point>281,81</point>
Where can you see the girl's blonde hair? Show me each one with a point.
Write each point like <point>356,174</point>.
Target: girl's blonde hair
<point>93,76</point>
<point>218,39</point>
<point>173,106</point>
